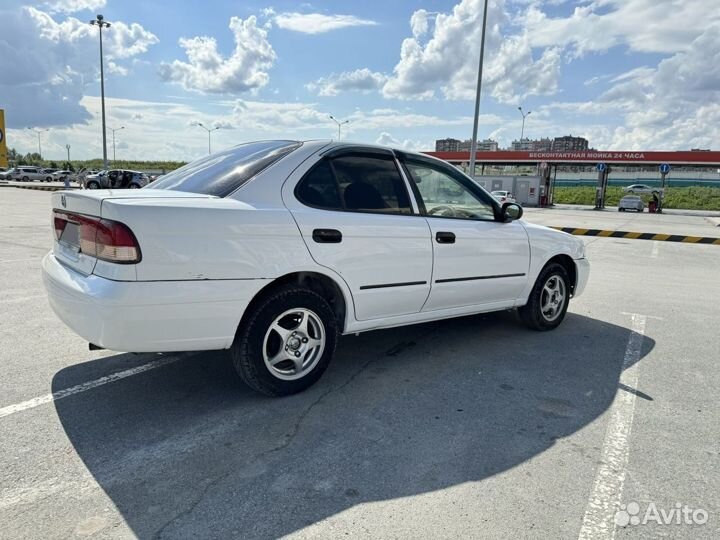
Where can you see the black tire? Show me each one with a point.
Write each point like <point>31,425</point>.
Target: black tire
<point>25,179</point>
<point>247,349</point>
<point>531,313</point>
<point>133,186</point>
<point>48,179</point>
<point>93,185</point>
<point>620,209</point>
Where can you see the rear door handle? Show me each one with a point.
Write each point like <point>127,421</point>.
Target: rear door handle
<point>445,237</point>
<point>327,236</point>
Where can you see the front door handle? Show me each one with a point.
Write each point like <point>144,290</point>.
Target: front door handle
<point>327,236</point>
<point>445,237</point>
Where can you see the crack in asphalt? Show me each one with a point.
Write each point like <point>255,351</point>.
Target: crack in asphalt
<point>295,429</point>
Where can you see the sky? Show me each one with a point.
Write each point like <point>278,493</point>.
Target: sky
<point>626,74</point>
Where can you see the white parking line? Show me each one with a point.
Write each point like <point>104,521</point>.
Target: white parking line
<point>84,387</point>
<point>655,249</point>
<point>599,522</point>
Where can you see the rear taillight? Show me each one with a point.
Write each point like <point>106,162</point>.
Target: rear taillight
<point>104,239</point>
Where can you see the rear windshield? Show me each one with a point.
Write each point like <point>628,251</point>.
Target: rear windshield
<point>223,172</point>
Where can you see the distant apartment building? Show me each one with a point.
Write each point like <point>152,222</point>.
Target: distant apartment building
<point>455,145</point>
<point>487,145</point>
<point>532,145</point>
<point>447,145</point>
<point>568,143</point>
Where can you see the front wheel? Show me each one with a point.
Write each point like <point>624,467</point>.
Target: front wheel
<point>549,299</point>
<point>286,343</point>
<point>93,185</point>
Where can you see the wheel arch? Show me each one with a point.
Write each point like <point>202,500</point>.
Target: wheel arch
<point>569,264</point>
<point>336,294</point>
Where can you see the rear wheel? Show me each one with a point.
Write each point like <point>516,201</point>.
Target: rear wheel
<point>286,343</point>
<point>549,299</point>
<point>25,179</point>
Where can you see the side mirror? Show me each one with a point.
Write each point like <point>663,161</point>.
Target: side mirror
<point>511,211</point>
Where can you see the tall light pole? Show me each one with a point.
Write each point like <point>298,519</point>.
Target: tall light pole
<point>100,22</point>
<point>209,131</point>
<point>473,144</point>
<point>39,131</point>
<point>67,147</point>
<point>113,132</point>
<point>339,124</point>
<point>524,115</point>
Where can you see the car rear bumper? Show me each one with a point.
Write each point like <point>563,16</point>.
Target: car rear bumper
<point>582,266</point>
<point>144,316</point>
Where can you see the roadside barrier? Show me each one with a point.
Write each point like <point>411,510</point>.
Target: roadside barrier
<point>641,236</point>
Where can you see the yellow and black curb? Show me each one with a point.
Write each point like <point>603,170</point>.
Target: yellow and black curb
<point>641,236</point>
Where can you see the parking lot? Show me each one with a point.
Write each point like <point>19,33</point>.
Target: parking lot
<point>471,427</point>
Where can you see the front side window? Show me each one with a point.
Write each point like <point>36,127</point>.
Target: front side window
<point>356,183</point>
<point>443,195</point>
<point>224,172</point>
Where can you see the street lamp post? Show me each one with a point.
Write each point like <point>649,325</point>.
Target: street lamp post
<point>113,132</point>
<point>67,147</point>
<point>209,131</point>
<point>39,131</point>
<point>100,22</point>
<point>473,144</point>
<point>524,115</point>
<point>339,124</point>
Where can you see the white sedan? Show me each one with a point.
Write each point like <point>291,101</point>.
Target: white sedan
<point>272,249</point>
<point>503,196</point>
<point>631,202</point>
<point>641,188</point>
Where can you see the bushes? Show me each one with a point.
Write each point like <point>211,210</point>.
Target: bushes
<point>686,198</point>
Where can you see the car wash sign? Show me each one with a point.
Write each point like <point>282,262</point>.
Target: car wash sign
<point>588,156</point>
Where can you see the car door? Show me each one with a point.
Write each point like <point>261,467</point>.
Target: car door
<point>478,259</point>
<point>356,217</point>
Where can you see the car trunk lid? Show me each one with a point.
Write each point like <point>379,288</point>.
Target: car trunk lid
<point>73,208</point>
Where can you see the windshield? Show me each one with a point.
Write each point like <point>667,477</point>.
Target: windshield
<point>223,172</point>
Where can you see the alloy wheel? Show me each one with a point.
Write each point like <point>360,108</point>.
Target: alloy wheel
<point>294,344</point>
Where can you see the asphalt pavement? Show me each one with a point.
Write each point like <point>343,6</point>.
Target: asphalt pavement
<point>472,427</point>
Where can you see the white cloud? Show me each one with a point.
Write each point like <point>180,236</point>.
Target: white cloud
<point>362,80</point>
<point>418,25</point>
<point>72,6</point>
<point>47,63</point>
<point>386,139</point>
<point>442,56</point>
<point>207,71</point>
<point>675,105</point>
<point>658,26</point>
<point>317,23</point>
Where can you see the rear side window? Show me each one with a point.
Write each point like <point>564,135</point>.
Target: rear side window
<point>356,183</point>
<point>319,188</point>
<point>224,172</point>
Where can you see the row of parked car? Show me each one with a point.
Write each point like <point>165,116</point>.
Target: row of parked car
<point>34,174</point>
<point>106,179</point>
